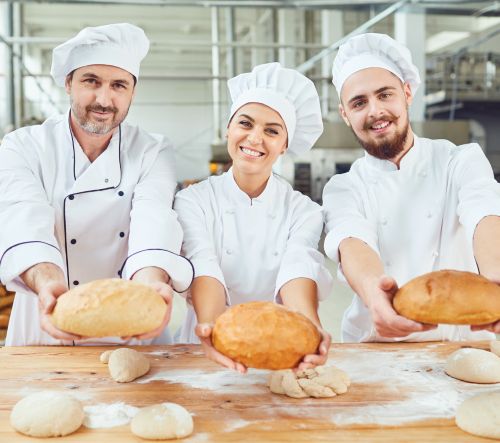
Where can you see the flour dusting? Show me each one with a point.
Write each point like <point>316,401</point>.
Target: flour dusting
<point>105,415</point>
<point>224,381</point>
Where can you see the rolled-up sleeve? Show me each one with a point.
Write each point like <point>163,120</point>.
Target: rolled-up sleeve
<point>301,258</point>
<point>198,244</point>
<point>478,191</point>
<point>155,232</point>
<point>26,217</point>
<point>345,217</point>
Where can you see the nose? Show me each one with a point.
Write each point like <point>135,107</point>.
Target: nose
<point>255,137</point>
<point>104,97</point>
<point>374,108</point>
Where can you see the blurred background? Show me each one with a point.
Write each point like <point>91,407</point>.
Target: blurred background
<point>197,45</point>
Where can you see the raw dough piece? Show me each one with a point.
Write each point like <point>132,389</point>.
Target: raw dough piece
<point>47,414</point>
<point>110,307</point>
<point>474,365</point>
<point>495,347</point>
<point>163,421</point>
<point>265,335</point>
<point>480,415</point>
<point>104,358</point>
<point>318,382</point>
<point>126,365</point>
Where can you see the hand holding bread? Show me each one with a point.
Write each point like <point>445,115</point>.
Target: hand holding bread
<point>111,307</point>
<point>452,297</point>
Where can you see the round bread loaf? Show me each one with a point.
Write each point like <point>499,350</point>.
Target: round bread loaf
<point>453,297</point>
<point>109,308</point>
<point>265,335</point>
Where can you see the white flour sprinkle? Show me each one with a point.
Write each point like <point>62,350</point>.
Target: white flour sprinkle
<point>75,393</point>
<point>224,381</point>
<point>234,425</point>
<point>105,415</point>
<point>431,394</point>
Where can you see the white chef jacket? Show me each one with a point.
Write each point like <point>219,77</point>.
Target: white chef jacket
<point>104,219</point>
<point>252,246</point>
<point>420,218</point>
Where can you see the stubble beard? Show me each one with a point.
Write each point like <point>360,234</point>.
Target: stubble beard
<point>96,127</point>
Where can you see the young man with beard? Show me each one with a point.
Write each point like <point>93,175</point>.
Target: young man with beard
<point>86,196</point>
<point>410,206</point>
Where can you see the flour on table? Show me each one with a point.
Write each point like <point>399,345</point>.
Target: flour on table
<point>104,415</point>
<point>223,381</point>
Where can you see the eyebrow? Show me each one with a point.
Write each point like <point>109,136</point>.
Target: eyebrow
<point>267,124</point>
<point>378,91</point>
<point>94,76</point>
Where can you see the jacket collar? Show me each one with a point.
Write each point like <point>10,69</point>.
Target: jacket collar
<point>237,196</point>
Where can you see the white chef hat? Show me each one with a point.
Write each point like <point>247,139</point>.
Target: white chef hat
<point>122,45</point>
<point>289,93</point>
<point>374,51</point>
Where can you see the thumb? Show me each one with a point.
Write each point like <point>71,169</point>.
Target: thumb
<point>203,330</point>
<point>388,284</point>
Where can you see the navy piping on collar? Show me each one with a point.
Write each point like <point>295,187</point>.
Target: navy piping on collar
<point>86,192</point>
<point>23,243</point>
<point>170,252</point>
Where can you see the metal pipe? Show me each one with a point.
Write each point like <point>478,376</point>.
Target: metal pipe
<point>9,83</point>
<point>230,53</point>
<point>216,73</point>
<point>308,64</point>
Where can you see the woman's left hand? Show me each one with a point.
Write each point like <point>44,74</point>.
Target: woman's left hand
<point>312,360</point>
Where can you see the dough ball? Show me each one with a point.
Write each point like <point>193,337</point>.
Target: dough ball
<point>47,414</point>
<point>265,335</point>
<point>454,297</point>
<point>318,382</point>
<point>104,358</point>
<point>163,421</point>
<point>125,365</point>
<point>495,347</point>
<point>109,308</point>
<point>474,365</point>
<point>480,415</point>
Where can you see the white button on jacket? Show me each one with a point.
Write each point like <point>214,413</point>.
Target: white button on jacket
<point>272,238</point>
<point>93,220</point>
<point>432,205</point>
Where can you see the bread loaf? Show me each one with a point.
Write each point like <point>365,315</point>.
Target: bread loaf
<point>265,335</point>
<point>109,308</point>
<point>453,297</point>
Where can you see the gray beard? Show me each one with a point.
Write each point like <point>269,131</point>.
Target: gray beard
<point>92,127</point>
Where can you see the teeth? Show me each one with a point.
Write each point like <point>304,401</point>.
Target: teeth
<point>251,152</point>
<point>380,125</point>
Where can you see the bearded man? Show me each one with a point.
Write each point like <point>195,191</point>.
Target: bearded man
<point>410,206</point>
<point>86,196</point>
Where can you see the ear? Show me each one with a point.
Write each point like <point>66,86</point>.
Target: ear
<point>67,84</point>
<point>408,93</point>
<point>344,115</point>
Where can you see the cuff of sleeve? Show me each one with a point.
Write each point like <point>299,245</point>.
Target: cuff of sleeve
<point>209,268</point>
<point>476,217</point>
<point>179,268</point>
<point>313,271</point>
<point>333,240</point>
<point>18,258</point>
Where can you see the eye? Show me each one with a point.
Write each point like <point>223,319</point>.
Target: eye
<point>358,103</point>
<point>90,81</point>
<point>119,86</point>
<point>245,123</point>
<point>272,131</point>
<point>385,95</point>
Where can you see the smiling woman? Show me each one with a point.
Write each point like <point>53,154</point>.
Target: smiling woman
<point>249,235</point>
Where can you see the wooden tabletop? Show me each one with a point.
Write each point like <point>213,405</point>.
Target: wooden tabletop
<point>399,393</point>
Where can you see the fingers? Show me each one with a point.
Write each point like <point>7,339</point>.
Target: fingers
<point>388,285</point>
<point>203,330</point>
<point>324,346</point>
<point>50,329</point>
<point>492,327</point>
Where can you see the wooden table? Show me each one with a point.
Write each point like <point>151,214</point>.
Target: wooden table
<point>399,393</point>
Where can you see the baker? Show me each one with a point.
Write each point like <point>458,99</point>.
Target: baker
<point>410,206</point>
<point>250,236</point>
<point>85,195</point>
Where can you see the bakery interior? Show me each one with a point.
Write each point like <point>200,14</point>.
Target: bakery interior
<point>195,47</point>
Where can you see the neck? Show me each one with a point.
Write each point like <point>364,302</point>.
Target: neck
<point>410,139</point>
<point>93,145</point>
<point>251,184</point>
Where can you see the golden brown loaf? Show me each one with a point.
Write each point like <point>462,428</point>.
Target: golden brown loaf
<point>109,308</point>
<point>454,297</point>
<point>265,335</point>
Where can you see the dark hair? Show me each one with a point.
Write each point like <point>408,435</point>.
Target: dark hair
<point>69,77</point>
